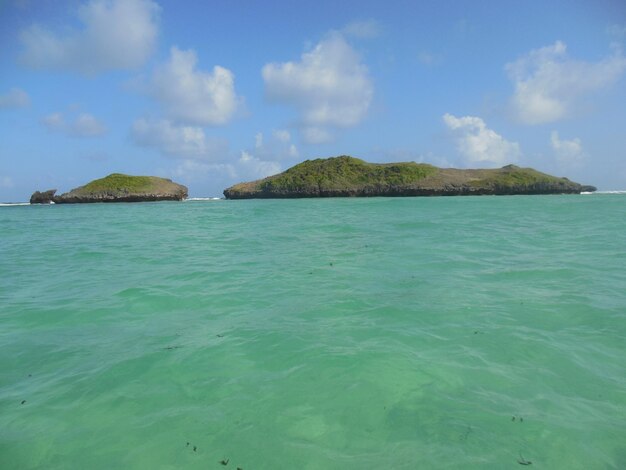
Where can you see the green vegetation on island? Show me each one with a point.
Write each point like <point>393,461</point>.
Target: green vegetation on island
<point>119,182</point>
<point>346,176</point>
<point>345,173</point>
<point>117,187</point>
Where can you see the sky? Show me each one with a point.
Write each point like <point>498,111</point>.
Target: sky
<point>212,93</point>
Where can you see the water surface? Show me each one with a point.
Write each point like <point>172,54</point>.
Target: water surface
<point>459,332</point>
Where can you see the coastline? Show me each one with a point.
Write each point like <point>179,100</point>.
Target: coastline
<point>206,199</point>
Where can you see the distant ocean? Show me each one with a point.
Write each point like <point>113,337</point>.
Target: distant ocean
<point>382,333</point>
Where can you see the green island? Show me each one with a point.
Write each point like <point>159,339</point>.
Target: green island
<point>116,187</point>
<point>347,176</point>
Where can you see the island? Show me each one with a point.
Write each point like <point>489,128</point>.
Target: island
<point>117,187</point>
<point>347,176</point>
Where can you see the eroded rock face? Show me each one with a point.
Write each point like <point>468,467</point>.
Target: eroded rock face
<point>121,196</point>
<point>68,198</point>
<point>45,197</point>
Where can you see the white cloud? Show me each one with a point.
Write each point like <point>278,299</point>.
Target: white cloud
<point>6,182</point>
<point>429,59</point>
<point>191,96</point>
<point>115,34</point>
<point>330,87</point>
<point>258,140</point>
<point>568,152</point>
<point>277,147</point>
<point>293,151</point>
<point>362,29</point>
<point>85,125</point>
<point>617,30</point>
<point>479,144</point>
<point>14,98</point>
<point>249,167</point>
<point>173,140</point>
<point>195,170</point>
<point>316,135</point>
<point>548,83</point>
<point>54,122</point>
<point>282,135</point>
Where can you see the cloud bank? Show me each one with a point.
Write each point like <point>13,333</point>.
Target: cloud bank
<point>117,34</point>
<point>201,157</point>
<point>548,84</point>
<point>479,144</point>
<point>179,141</point>
<point>329,87</point>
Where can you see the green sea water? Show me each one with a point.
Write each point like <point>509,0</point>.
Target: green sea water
<point>382,333</point>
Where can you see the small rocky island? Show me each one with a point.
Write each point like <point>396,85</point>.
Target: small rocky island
<point>346,176</point>
<point>117,188</point>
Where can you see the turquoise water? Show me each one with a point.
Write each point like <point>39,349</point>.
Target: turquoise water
<point>375,333</point>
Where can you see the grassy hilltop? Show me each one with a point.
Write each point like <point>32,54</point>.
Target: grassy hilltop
<point>348,176</point>
<point>120,182</point>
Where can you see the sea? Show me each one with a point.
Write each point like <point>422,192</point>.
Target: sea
<point>480,332</point>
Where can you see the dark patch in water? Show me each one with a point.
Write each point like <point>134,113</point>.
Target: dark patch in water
<point>523,461</point>
<point>466,434</point>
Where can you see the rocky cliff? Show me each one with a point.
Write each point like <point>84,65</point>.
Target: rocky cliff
<point>347,176</point>
<point>44,197</point>
<point>119,188</point>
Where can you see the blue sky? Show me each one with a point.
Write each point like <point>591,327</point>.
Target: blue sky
<point>213,93</point>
